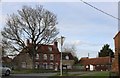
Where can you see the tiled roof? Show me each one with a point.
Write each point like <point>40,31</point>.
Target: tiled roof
<point>45,49</point>
<point>95,61</point>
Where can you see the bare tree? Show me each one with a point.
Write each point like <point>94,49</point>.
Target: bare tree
<point>36,24</point>
<point>70,48</point>
<point>7,49</point>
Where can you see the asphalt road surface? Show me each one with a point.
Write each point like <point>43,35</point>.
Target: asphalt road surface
<point>25,77</point>
<point>40,75</point>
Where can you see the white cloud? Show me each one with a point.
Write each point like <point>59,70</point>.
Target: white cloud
<point>2,18</point>
<point>2,21</point>
<point>85,43</point>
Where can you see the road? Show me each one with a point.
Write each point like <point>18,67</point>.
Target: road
<point>46,75</point>
<point>40,75</point>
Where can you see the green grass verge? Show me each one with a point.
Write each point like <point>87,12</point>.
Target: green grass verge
<point>94,74</point>
<point>28,71</point>
<point>101,73</point>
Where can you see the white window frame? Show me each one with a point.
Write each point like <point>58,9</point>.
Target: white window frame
<point>23,65</point>
<point>45,56</point>
<point>37,56</point>
<point>51,65</point>
<point>51,57</point>
<point>98,65</point>
<point>50,48</point>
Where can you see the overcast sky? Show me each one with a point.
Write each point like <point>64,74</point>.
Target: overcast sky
<point>83,26</point>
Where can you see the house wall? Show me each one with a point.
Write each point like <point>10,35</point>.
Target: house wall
<point>6,61</point>
<point>102,67</point>
<point>45,51</point>
<point>23,60</point>
<point>115,64</point>
<point>48,63</point>
<point>97,67</point>
<point>69,63</point>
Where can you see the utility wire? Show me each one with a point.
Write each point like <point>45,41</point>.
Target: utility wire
<point>100,10</point>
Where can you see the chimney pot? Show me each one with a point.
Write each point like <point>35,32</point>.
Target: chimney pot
<point>28,41</point>
<point>56,44</point>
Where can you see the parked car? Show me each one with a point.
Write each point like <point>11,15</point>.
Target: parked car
<point>5,70</point>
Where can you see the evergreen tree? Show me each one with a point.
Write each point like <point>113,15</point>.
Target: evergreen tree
<point>106,51</point>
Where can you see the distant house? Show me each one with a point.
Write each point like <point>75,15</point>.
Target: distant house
<point>96,64</point>
<point>67,60</point>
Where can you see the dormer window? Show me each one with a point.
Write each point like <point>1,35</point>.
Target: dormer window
<point>50,48</point>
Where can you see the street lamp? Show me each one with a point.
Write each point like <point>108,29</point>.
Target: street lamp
<point>62,40</point>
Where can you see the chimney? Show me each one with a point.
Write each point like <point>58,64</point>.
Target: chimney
<point>28,42</point>
<point>56,44</point>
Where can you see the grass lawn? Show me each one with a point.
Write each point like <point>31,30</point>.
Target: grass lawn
<point>94,74</point>
<point>28,71</point>
<point>100,73</point>
<point>79,74</point>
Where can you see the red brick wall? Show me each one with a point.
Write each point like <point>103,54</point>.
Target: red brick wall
<point>117,51</point>
<point>44,50</point>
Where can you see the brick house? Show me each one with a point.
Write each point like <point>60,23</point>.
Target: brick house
<point>96,64</point>
<point>47,57</point>
<point>115,64</point>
